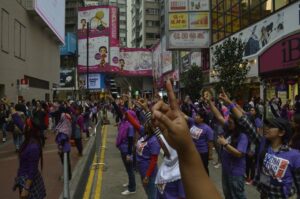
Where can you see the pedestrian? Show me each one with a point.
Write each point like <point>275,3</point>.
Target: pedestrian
<point>234,147</point>
<point>278,166</point>
<point>202,135</point>
<point>63,134</point>
<point>3,121</point>
<point>29,180</point>
<point>16,126</point>
<point>77,128</point>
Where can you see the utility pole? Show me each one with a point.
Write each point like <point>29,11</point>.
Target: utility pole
<point>87,58</point>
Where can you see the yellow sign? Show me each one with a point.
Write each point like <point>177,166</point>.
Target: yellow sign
<point>199,20</point>
<point>178,21</point>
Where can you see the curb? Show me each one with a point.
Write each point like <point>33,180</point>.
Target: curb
<point>82,167</point>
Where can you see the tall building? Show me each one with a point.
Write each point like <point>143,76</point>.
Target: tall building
<point>145,22</point>
<point>29,56</point>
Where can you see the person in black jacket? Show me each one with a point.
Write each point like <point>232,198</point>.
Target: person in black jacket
<point>3,120</point>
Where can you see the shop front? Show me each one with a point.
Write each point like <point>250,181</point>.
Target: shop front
<point>279,69</point>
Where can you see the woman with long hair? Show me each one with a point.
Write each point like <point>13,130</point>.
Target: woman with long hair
<point>278,166</point>
<point>29,179</point>
<point>234,147</point>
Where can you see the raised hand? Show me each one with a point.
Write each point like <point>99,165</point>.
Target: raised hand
<point>224,97</point>
<point>170,120</point>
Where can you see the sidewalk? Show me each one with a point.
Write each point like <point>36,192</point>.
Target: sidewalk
<point>52,167</point>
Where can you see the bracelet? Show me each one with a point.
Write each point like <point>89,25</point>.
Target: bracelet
<point>231,106</point>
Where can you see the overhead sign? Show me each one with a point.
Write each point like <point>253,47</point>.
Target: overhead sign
<point>53,14</point>
<point>178,21</point>
<point>189,39</point>
<point>188,24</point>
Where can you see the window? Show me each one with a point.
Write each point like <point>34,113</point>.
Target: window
<point>19,40</point>
<point>152,11</point>
<point>280,3</point>
<point>37,83</point>
<point>4,31</point>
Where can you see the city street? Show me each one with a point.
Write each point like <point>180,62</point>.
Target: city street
<point>114,174</point>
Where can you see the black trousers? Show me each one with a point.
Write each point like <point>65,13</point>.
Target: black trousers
<point>250,167</point>
<point>204,158</point>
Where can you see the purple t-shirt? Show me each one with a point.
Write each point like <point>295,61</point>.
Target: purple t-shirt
<point>278,166</point>
<point>258,123</point>
<point>201,134</point>
<point>144,151</point>
<point>233,165</point>
<point>29,161</point>
<point>172,190</point>
<point>124,146</point>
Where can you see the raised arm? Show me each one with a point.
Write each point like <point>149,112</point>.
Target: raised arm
<point>197,184</point>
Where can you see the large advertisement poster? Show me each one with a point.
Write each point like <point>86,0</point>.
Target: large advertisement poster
<point>196,59</point>
<point>98,55</point>
<point>188,24</point>
<point>265,32</point>
<point>199,20</point>
<point>53,14</point>
<point>189,39</point>
<point>97,17</point>
<point>198,5</point>
<point>96,81</point>
<point>157,70</point>
<point>67,78</point>
<point>178,21</point>
<point>178,5</point>
<point>135,61</point>
<point>166,57</point>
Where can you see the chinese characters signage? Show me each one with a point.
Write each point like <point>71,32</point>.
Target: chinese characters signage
<point>189,39</point>
<point>178,21</point>
<point>188,26</point>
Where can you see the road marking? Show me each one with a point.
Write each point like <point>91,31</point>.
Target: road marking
<point>101,164</point>
<point>89,185</point>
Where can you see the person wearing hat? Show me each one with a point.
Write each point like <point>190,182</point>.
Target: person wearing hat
<point>278,166</point>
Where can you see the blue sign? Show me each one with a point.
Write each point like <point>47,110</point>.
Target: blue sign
<point>70,46</point>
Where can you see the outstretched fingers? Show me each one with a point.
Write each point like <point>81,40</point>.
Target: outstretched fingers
<point>171,95</point>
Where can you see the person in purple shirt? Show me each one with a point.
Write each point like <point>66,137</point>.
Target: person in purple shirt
<point>124,142</point>
<point>147,151</point>
<point>203,137</point>
<point>29,180</point>
<point>234,147</point>
<point>278,166</point>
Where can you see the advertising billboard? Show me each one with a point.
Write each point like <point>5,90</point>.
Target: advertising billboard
<point>98,55</point>
<point>189,39</point>
<point>98,18</point>
<point>196,59</point>
<point>178,5</point>
<point>135,61</point>
<point>188,24</point>
<point>53,14</point>
<point>178,21</point>
<point>157,72</point>
<point>198,5</point>
<point>199,20</point>
<point>166,57</point>
<point>96,81</point>
<point>67,78</point>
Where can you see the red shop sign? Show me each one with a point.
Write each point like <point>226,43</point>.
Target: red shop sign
<point>284,54</point>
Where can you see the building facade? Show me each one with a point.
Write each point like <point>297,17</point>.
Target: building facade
<point>145,23</point>
<point>272,39</point>
<point>29,50</point>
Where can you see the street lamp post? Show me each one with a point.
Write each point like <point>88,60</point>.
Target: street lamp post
<point>87,57</point>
